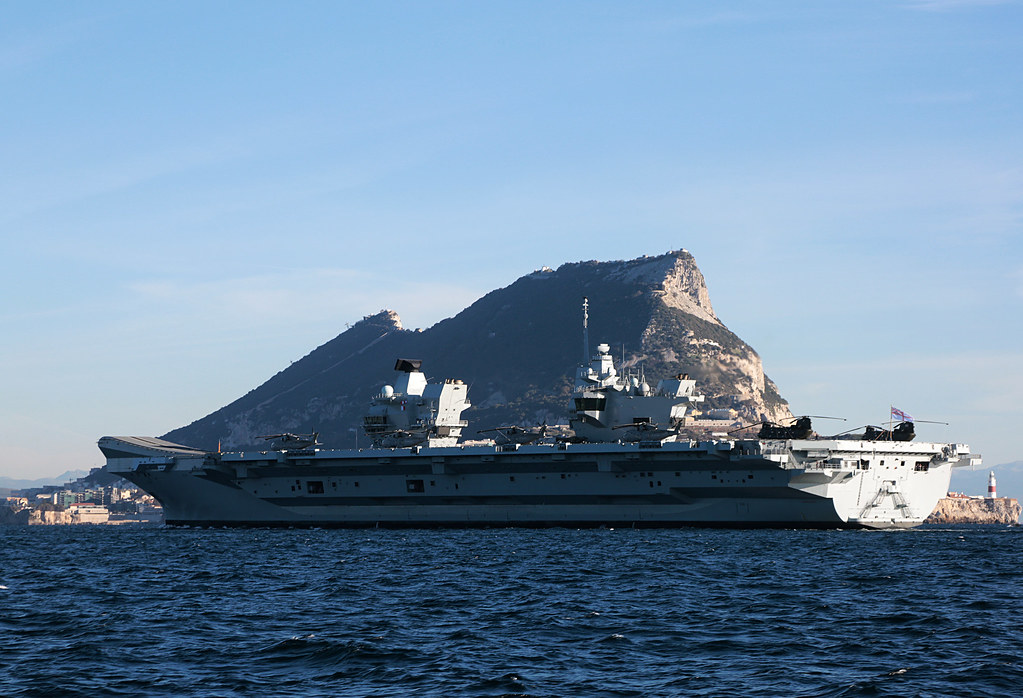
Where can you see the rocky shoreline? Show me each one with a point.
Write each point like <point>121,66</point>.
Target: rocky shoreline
<point>959,510</point>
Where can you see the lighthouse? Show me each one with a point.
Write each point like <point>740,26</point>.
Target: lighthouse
<point>991,494</point>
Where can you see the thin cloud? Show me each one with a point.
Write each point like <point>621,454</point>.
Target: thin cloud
<point>846,186</point>
<point>936,98</point>
<point>97,179</point>
<point>945,363</point>
<point>301,296</point>
<point>952,5</point>
<point>984,385</point>
<point>708,20</point>
<point>158,322</point>
<point>20,52</point>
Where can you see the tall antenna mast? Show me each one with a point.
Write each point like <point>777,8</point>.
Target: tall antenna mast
<point>586,330</point>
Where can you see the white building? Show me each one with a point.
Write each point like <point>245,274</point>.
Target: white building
<point>87,512</point>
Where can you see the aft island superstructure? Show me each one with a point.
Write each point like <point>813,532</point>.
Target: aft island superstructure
<point>627,461</point>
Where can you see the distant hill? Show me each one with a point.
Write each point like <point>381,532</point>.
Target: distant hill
<point>20,484</point>
<point>1008,479</point>
<point>517,348</point>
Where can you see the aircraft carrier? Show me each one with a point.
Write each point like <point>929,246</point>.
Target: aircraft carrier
<point>626,460</point>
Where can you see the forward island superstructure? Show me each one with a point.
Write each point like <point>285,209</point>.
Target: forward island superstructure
<point>627,462</point>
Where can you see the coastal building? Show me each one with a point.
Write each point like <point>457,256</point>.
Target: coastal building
<point>79,502</point>
<point>88,512</point>
<point>64,498</point>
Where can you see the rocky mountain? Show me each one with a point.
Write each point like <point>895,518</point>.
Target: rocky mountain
<point>517,348</point>
<point>959,510</point>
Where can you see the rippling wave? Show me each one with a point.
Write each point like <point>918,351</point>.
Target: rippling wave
<point>164,611</point>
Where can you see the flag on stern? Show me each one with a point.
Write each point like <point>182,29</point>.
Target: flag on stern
<point>900,416</point>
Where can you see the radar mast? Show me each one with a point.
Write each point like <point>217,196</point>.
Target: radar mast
<point>586,330</point>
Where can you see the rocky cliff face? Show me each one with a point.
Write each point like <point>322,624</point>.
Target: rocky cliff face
<point>673,278</point>
<point>958,510</point>
<point>684,329</point>
<point>51,518</point>
<point>517,347</point>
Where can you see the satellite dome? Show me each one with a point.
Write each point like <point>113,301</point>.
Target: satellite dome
<point>387,391</point>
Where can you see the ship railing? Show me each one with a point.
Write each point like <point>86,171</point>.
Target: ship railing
<point>816,465</point>
<point>452,423</point>
<point>830,464</point>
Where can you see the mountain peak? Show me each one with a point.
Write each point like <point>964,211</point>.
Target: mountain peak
<point>518,347</point>
<point>385,318</point>
<point>674,278</point>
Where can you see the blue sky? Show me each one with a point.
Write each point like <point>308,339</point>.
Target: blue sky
<point>196,194</point>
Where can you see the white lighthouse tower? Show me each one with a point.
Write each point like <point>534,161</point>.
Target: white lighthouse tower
<point>991,493</point>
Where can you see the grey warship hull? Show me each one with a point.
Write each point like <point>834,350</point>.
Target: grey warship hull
<point>808,483</point>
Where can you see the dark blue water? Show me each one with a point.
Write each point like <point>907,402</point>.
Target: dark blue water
<point>160,611</point>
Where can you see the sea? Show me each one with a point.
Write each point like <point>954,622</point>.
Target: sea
<point>162,611</point>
